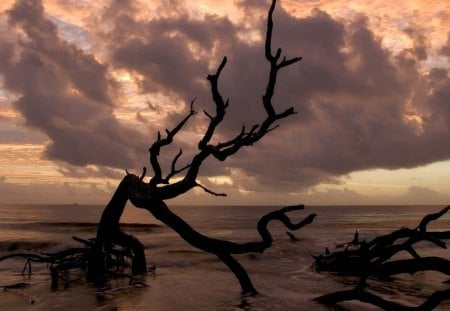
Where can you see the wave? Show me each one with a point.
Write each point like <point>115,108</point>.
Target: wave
<point>11,246</point>
<point>185,251</point>
<point>75,225</point>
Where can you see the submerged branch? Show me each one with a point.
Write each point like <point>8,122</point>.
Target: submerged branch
<point>373,259</point>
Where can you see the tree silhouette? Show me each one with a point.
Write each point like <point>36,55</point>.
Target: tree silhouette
<point>104,256</point>
<point>151,195</point>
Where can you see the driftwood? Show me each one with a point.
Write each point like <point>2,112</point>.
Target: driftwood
<point>373,259</point>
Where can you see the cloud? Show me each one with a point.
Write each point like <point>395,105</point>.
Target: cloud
<point>11,133</point>
<point>89,171</point>
<point>53,193</point>
<point>419,49</point>
<point>445,49</point>
<point>64,92</point>
<point>423,195</point>
<point>360,105</point>
<point>166,55</point>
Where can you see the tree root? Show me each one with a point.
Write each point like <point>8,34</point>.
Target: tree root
<point>64,263</point>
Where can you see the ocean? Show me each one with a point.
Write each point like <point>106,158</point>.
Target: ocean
<point>188,279</point>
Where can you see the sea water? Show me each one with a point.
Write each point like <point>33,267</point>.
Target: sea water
<point>189,279</point>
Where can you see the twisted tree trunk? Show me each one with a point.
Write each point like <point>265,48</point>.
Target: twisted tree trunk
<point>151,196</point>
<point>110,234</point>
<point>141,195</point>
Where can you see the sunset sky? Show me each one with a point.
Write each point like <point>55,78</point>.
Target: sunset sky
<point>86,85</point>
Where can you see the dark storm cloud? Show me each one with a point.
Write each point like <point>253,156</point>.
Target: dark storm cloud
<point>359,105</point>
<point>359,96</point>
<point>163,55</point>
<point>82,69</point>
<point>64,92</point>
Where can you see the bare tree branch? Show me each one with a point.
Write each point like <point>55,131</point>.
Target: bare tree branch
<point>211,192</point>
<point>220,105</point>
<point>173,170</point>
<point>223,150</point>
<point>161,142</point>
<point>430,217</point>
<point>144,171</point>
<point>374,259</point>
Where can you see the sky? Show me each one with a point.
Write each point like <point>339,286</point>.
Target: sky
<point>86,85</point>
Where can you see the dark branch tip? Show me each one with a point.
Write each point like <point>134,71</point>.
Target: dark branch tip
<point>144,171</point>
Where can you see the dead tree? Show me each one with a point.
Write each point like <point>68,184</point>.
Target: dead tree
<point>152,195</point>
<point>373,259</point>
<point>103,256</point>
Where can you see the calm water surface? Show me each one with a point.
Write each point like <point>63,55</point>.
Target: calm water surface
<point>188,279</point>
